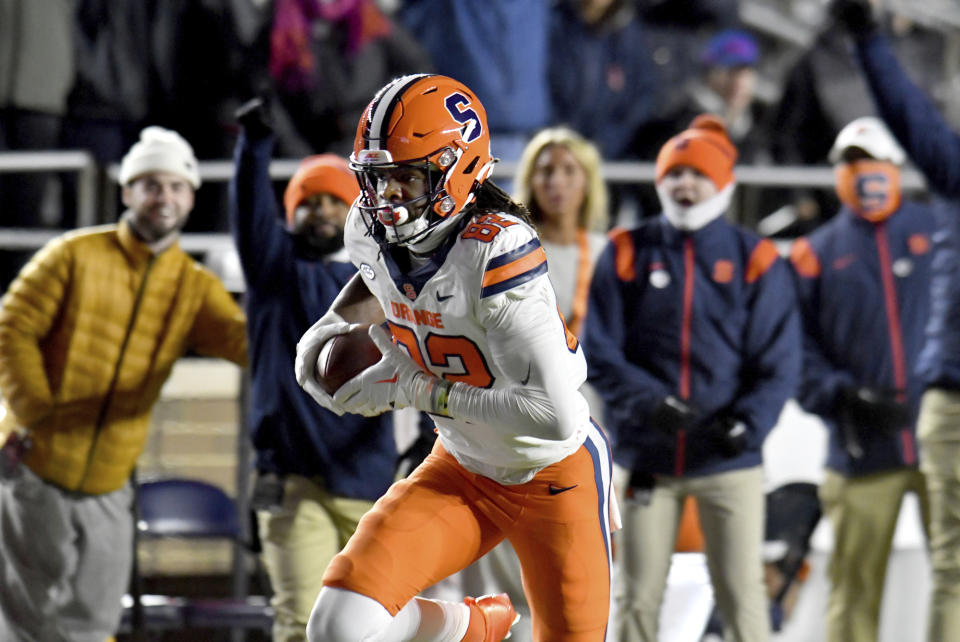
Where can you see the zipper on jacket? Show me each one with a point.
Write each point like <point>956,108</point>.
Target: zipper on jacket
<point>896,333</point>
<point>688,276</point>
<point>108,397</point>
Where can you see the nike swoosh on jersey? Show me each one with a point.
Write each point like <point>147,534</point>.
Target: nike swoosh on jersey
<point>441,298</point>
<point>556,490</point>
<point>392,379</point>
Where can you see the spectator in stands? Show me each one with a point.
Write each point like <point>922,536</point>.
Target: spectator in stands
<point>317,473</point>
<point>863,283</point>
<point>935,149</point>
<point>499,49</point>
<point>36,74</point>
<point>111,94</point>
<point>207,58</point>
<point>326,60</point>
<point>601,72</point>
<point>559,179</point>
<point>725,86</point>
<point>693,342</point>
<point>674,32</point>
<point>89,332</point>
<point>824,91</point>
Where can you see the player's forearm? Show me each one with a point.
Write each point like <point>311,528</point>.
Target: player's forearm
<point>527,411</point>
<point>355,303</point>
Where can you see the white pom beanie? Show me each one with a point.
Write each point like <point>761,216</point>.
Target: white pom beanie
<point>160,150</point>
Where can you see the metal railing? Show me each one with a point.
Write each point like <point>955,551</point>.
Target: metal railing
<point>79,162</point>
<point>90,203</point>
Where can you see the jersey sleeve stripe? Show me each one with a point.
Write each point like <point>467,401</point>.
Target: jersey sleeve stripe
<point>513,255</point>
<point>513,268</point>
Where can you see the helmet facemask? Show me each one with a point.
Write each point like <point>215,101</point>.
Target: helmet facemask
<point>422,207</point>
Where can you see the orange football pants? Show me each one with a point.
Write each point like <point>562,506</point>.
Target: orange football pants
<point>442,518</point>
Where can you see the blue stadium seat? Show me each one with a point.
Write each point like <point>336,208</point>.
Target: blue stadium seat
<point>190,509</point>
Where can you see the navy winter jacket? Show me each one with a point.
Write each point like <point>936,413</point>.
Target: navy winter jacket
<point>355,456</point>
<point>935,148</point>
<point>709,317</point>
<point>603,82</point>
<point>864,293</point>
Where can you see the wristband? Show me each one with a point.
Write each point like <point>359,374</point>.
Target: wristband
<point>440,396</point>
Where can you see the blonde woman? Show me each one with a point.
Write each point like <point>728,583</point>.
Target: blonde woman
<point>559,180</point>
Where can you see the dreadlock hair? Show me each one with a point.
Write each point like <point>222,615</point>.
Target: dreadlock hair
<point>492,198</point>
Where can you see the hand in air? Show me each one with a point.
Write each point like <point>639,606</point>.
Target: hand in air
<point>390,383</point>
<point>308,349</point>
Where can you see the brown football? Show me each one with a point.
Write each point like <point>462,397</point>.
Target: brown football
<point>344,356</point>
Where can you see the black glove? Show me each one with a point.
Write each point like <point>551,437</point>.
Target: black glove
<point>872,409</point>
<point>862,412</point>
<point>268,492</point>
<point>855,16</point>
<point>672,415</point>
<point>254,117</point>
<point>729,435</point>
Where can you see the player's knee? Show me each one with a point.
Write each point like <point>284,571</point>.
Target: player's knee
<point>326,625</point>
<point>345,616</point>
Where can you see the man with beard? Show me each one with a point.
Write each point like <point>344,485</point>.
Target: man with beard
<point>317,473</point>
<point>89,332</point>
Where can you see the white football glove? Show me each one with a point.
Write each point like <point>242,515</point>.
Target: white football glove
<point>308,349</point>
<point>395,381</point>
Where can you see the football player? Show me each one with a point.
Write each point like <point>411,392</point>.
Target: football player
<point>456,272</point>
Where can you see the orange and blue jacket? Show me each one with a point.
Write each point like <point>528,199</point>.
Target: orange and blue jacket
<point>709,317</point>
<point>864,294</point>
<point>89,332</point>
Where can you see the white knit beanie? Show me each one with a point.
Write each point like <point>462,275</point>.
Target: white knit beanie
<point>160,150</point>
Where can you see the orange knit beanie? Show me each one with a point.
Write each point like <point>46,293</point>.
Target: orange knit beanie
<point>321,174</point>
<point>704,146</point>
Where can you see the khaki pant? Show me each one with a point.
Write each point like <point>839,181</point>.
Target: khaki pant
<point>731,508</point>
<point>299,541</point>
<point>938,429</point>
<point>863,512</point>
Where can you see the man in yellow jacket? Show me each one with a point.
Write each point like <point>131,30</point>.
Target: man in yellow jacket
<point>89,332</point>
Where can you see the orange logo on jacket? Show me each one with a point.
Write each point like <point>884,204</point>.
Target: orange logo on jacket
<point>918,244</point>
<point>723,271</point>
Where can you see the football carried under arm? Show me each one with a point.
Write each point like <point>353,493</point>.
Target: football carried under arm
<point>354,304</point>
<point>396,381</point>
<point>330,325</point>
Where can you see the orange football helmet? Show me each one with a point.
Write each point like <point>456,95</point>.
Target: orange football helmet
<point>434,124</point>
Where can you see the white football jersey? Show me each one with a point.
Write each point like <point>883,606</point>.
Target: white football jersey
<point>482,311</point>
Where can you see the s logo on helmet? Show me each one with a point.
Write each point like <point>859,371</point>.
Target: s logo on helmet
<point>458,106</point>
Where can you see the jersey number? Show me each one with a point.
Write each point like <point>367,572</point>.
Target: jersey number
<point>442,352</point>
<point>486,227</point>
